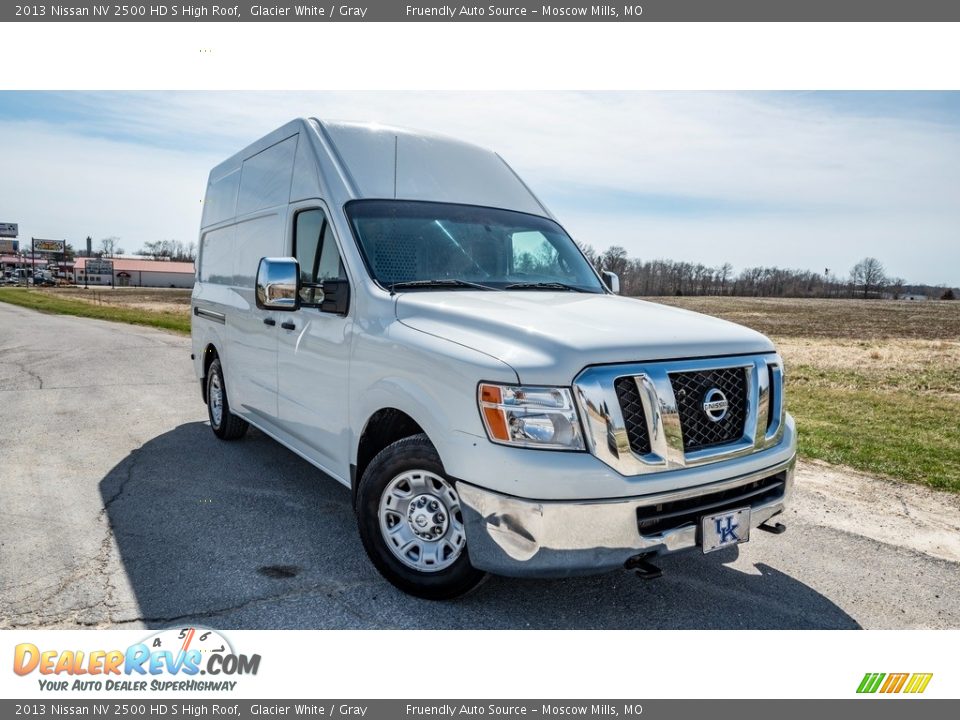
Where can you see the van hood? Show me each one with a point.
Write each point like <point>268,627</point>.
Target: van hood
<point>549,337</point>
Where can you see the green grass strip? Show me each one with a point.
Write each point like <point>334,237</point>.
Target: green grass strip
<point>903,435</point>
<point>49,303</point>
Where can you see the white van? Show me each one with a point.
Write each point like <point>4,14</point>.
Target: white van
<point>400,310</point>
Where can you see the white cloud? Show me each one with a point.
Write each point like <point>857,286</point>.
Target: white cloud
<point>807,186</point>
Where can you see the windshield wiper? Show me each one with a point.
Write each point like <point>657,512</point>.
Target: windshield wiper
<point>438,283</point>
<point>543,286</point>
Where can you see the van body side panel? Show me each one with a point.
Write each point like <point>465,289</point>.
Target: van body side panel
<point>265,178</point>
<point>216,256</point>
<point>247,195</point>
<point>212,293</point>
<point>220,202</point>
<point>252,344</point>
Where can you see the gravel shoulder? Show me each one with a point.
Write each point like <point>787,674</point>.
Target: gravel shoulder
<point>898,514</point>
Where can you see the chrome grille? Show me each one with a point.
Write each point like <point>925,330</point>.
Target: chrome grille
<point>634,420</point>
<point>690,390</point>
<point>649,417</point>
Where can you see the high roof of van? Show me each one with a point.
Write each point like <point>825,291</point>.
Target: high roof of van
<point>343,161</point>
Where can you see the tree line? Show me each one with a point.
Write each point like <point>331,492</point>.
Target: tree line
<point>867,279</point>
<point>174,250</point>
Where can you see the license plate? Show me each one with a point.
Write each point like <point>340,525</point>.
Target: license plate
<point>729,528</point>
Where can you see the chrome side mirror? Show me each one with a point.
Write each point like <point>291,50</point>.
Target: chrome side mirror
<point>612,281</point>
<point>277,284</point>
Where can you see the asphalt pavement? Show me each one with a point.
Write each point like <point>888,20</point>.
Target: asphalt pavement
<point>119,508</point>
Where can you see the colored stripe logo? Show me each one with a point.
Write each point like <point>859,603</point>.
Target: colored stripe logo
<point>913,683</point>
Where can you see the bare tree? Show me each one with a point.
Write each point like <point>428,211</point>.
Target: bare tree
<point>170,249</point>
<point>869,276</point>
<point>110,246</point>
<point>155,249</point>
<point>723,276</point>
<point>895,286</point>
<point>615,259</point>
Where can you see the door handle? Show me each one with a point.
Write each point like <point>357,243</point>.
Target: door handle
<point>269,321</point>
<point>288,325</point>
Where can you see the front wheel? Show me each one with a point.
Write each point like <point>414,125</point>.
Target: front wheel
<point>411,522</point>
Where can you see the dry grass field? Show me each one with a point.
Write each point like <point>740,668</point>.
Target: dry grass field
<point>873,384</point>
<point>152,299</point>
<point>849,319</point>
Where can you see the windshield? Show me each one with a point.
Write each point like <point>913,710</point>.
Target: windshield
<point>437,245</point>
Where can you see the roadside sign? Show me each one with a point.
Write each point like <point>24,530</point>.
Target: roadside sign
<point>9,246</point>
<point>48,246</point>
<point>96,266</point>
<point>9,230</point>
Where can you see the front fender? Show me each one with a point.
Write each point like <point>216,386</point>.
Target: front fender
<point>431,379</point>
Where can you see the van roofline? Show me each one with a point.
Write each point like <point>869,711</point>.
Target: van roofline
<point>356,155</point>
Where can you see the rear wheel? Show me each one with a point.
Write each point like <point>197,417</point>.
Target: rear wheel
<point>411,522</point>
<point>224,423</point>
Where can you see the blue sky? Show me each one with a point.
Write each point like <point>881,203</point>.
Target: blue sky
<point>807,180</point>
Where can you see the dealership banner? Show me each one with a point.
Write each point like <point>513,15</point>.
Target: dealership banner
<point>496,671</point>
<point>509,11</point>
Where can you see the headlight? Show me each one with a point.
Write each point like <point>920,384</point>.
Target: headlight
<point>537,417</point>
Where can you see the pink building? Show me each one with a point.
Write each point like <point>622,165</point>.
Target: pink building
<point>133,273</point>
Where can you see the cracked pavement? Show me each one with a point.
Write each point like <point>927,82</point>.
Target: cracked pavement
<point>119,508</point>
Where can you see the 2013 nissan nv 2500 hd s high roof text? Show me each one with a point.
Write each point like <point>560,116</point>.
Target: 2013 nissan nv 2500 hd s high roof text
<point>400,310</point>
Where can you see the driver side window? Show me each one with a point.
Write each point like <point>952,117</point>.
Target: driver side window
<point>316,250</point>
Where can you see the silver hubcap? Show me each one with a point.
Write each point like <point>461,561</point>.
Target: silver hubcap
<point>421,521</point>
<point>215,399</point>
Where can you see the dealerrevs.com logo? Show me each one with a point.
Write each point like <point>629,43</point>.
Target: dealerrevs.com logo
<point>170,660</point>
<point>892,683</point>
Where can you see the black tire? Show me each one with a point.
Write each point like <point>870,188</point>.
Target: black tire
<point>230,426</point>
<point>411,453</point>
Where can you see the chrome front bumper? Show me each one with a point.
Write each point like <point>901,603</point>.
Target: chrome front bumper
<point>519,537</point>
